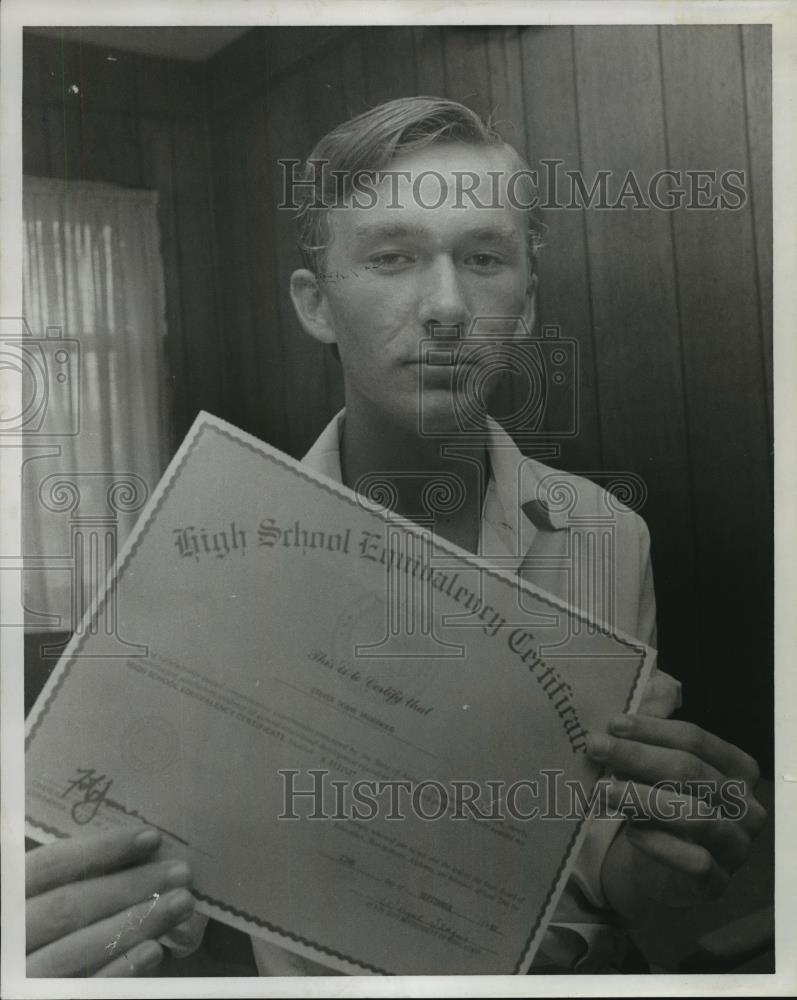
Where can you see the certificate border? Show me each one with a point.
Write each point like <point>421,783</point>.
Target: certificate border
<point>207,422</point>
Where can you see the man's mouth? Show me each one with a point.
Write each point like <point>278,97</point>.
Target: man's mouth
<point>448,360</point>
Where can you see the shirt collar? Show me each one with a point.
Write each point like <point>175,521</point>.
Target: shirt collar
<point>523,483</point>
<point>517,485</point>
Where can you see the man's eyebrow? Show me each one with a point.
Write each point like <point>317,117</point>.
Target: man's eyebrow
<point>388,230</point>
<point>499,234</point>
<point>396,230</point>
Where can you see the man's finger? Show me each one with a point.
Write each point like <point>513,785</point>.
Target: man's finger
<point>142,960</point>
<point>726,758</point>
<point>59,912</point>
<point>93,948</point>
<point>649,763</point>
<point>683,816</point>
<point>702,876</point>
<point>77,858</point>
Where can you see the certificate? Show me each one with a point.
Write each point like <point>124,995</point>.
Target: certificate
<point>348,727</point>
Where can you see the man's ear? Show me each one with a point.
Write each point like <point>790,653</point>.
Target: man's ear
<point>530,315</point>
<point>312,306</point>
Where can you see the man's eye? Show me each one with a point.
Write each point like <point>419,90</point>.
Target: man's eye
<point>388,261</point>
<point>484,261</point>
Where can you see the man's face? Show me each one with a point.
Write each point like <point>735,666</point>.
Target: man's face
<point>396,270</point>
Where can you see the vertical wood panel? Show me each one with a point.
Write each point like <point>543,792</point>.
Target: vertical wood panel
<point>351,67</point>
<point>238,334</point>
<point>389,64</point>
<point>467,70</point>
<point>157,173</point>
<point>505,68</point>
<point>551,127</point>
<point>64,141</point>
<point>722,370</point>
<point>186,89</point>
<point>263,254</point>
<point>113,142</point>
<point>757,66</point>
<point>207,357</point>
<point>33,68</point>
<point>429,63</point>
<point>636,322</point>
<point>234,71</point>
<point>304,375</point>
<point>152,85</point>
<point>35,152</point>
<point>325,99</point>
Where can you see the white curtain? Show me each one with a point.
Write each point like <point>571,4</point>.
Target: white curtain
<point>91,266</point>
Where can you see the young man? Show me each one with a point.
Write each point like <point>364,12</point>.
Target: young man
<point>415,228</point>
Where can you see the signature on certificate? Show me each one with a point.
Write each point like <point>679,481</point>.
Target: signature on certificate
<point>94,788</point>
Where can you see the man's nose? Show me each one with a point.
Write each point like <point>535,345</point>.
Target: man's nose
<point>443,302</point>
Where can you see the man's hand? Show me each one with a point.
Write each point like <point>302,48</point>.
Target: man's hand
<point>96,906</point>
<point>695,830</point>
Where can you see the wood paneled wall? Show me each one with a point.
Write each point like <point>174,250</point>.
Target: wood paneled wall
<point>672,310</point>
<point>101,114</point>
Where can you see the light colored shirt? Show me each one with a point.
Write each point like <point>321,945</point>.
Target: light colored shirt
<point>542,524</point>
